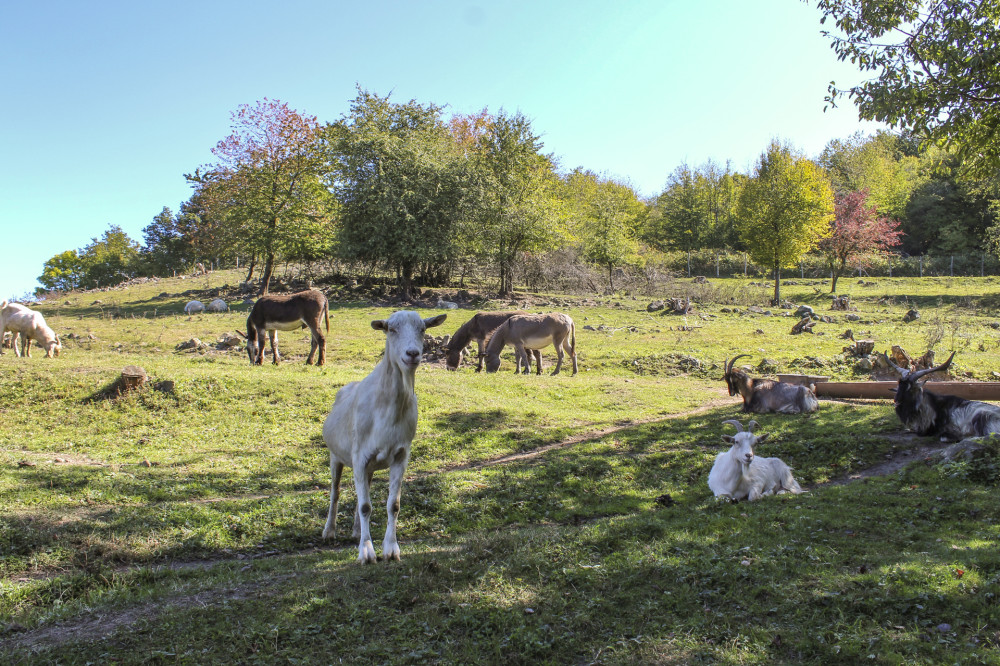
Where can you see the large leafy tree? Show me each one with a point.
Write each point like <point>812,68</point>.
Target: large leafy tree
<point>608,215</point>
<point>858,235</point>
<point>510,198</point>
<point>784,209</point>
<point>64,271</point>
<point>397,175</point>
<point>885,165</point>
<point>936,68</point>
<point>267,182</point>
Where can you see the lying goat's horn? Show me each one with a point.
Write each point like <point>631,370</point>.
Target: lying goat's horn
<point>737,424</point>
<point>733,362</point>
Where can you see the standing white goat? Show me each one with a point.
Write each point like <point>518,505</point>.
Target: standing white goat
<point>739,474</point>
<point>371,427</point>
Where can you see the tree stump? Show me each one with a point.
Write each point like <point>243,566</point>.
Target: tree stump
<point>805,325</point>
<point>133,377</point>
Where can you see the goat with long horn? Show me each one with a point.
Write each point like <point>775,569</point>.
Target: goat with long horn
<point>947,416</point>
<point>762,396</point>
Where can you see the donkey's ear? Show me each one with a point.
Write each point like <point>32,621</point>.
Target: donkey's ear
<point>241,334</point>
<point>435,321</point>
<point>380,325</point>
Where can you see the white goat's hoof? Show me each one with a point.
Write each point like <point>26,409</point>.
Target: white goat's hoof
<point>366,553</point>
<point>390,552</point>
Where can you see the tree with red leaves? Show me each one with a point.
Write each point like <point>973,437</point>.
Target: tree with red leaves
<point>267,184</point>
<point>858,234</point>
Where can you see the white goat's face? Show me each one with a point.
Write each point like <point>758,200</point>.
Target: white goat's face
<point>404,337</point>
<point>743,446</point>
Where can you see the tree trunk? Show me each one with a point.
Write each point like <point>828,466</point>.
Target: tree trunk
<point>611,278</point>
<point>265,278</point>
<point>777,285</point>
<point>250,267</point>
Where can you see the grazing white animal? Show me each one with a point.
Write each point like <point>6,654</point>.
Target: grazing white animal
<point>218,305</point>
<point>194,306</point>
<point>28,325</point>
<point>371,427</point>
<point>740,474</point>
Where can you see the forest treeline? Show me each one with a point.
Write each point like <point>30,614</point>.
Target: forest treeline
<point>406,192</point>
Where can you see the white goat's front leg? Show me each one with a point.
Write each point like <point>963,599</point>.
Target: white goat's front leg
<point>362,485</point>
<point>390,547</point>
<point>273,336</point>
<point>336,470</point>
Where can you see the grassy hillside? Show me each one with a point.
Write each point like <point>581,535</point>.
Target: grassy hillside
<point>544,519</point>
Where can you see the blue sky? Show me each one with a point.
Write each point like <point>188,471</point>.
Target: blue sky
<point>108,104</point>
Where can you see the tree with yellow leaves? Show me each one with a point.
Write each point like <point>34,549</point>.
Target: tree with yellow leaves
<point>784,210</point>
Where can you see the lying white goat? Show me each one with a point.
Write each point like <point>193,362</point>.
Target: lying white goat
<point>739,474</point>
<point>371,427</point>
<point>218,305</point>
<point>29,325</point>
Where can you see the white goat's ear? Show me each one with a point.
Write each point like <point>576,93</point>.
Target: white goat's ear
<point>763,438</point>
<point>380,325</point>
<point>728,439</point>
<point>435,321</point>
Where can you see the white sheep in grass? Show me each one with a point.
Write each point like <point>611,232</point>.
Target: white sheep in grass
<point>218,305</point>
<point>194,306</point>
<point>27,325</point>
<point>371,427</point>
<point>740,474</point>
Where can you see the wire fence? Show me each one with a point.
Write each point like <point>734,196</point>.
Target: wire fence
<point>727,263</point>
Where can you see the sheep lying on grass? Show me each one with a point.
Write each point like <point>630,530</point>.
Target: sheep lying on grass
<point>739,474</point>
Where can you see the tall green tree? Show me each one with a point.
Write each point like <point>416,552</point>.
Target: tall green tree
<point>398,177</point>
<point>267,181</point>
<point>936,68</point>
<point>110,259</point>
<point>879,164</point>
<point>784,209</point>
<point>511,195</point>
<point>608,215</point>
<point>680,218</point>
<point>63,272</point>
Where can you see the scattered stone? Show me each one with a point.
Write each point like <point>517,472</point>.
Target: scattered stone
<point>655,306</point>
<point>193,343</point>
<point>853,317</point>
<point>911,315</point>
<point>804,311</point>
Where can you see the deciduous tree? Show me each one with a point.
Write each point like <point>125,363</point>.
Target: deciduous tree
<point>267,183</point>
<point>784,209</point>
<point>936,69</point>
<point>858,234</point>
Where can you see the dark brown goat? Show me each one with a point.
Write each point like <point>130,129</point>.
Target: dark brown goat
<point>287,312</point>
<point>763,396</point>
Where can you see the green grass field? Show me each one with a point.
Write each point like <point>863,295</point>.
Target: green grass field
<point>562,520</point>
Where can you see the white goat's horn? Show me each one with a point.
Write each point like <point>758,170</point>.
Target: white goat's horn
<point>751,426</point>
<point>733,422</point>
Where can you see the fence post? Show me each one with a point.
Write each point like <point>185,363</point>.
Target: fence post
<point>744,264</point>
<point>890,266</point>
<point>921,265</point>
<point>982,265</point>
<point>689,263</point>
<point>951,270</point>
<point>802,271</point>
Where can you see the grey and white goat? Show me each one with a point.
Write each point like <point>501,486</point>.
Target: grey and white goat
<point>763,396</point>
<point>947,416</point>
<point>740,474</point>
